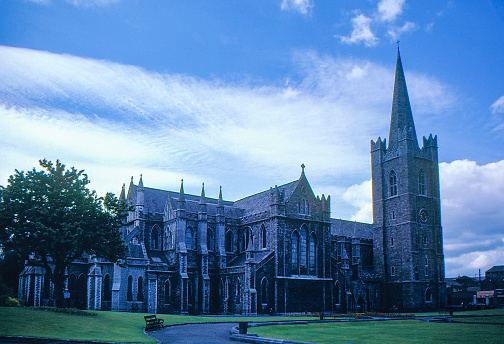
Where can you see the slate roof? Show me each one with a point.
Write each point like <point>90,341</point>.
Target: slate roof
<point>496,268</point>
<point>351,229</point>
<point>261,201</point>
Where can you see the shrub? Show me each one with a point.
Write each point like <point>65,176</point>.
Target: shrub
<point>12,302</point>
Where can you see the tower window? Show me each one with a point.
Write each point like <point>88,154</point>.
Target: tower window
<point>393,183</point>
<point>392,241</point>
<point>421,182</point>
<point>392,271</point>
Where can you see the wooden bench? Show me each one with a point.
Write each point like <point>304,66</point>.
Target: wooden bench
<point>152,322</point>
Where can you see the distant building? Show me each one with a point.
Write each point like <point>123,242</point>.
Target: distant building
<point>278,251</point>
<point>495,273</point>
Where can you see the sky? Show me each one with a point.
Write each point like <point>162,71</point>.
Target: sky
<point>239,94</point>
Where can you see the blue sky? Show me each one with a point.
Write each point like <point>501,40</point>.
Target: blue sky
<point>240,93</point>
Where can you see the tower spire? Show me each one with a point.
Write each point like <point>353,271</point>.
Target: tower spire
<point>401,117</point>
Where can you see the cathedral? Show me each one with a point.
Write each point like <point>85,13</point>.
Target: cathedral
<point>277,251</point>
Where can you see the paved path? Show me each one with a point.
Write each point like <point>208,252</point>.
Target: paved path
<point>195,333</point>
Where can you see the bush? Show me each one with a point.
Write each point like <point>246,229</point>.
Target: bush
<point>71,311</point>
<point>12,302</point>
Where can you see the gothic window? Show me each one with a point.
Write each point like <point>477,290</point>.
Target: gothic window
<point>167,290</point>
<point>263,236</point>
<point>210,239</point>
<point>302,249</point>
<point>140,289</point>
<point>393,183</point>
<point>295,252</point>
<point>229,241</point>
<point>337,293</point>
<point>264,290</point>
<point>189,239</point>
<point>426,266</point>
<point>312,244</point>
<point>107,290</point>
<point>155,238</point>
<point>421,182</point>
<point>129,293</point>
<point>392,271</point>
<point>428,295</point>
<point>238,291</point>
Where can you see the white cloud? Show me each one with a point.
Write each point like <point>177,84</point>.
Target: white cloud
<point>389,9</point>
<point>302,6</point>
<point>395,32</point>
<point>92,3</point>
<point>361,197</point>
<point>498,106</point>
<point>361,32</point>
<point>472,198</point>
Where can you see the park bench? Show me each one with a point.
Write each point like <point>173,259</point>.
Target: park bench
<point>152,322</point>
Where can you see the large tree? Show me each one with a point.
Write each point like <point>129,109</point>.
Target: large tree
<point>50,217</point>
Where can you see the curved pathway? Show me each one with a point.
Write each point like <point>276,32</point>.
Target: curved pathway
<point>211,333</point>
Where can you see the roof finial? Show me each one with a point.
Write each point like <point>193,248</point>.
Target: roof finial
<point>398,44</point>
<point>302,168</point>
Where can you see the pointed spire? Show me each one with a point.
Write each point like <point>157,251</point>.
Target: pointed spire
<point>202,197</point>
<point>401,116</point>
<point>122,196</point>
<point>219,201</point>
<point>140,183</point>
<point>181,197</point>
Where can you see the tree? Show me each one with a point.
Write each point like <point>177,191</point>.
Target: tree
<point>51,218</point>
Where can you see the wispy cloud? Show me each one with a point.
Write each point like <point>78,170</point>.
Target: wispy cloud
<point>366,29</point>
<point>389,10</point>
<point>301,6</point>
<point>361,32</point>
<point>498,106</point>
<point>80,3</point>
<point>116,120</point>
<point>395,32</point>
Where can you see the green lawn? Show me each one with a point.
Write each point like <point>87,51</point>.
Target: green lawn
<point>128,327</point>
<point>397,331</point>
<point>105,326</point>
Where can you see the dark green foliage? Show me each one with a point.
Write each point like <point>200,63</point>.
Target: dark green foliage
<point>71,311</point>
<point>51,218</point>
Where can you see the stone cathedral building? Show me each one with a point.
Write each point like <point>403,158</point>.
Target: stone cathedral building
<point>277,251</point>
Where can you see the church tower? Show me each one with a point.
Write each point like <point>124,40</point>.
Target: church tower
<point>407,232</point>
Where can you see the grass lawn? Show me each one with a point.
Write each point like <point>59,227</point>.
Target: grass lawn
<point>397,331</point>
<point>105,326</point>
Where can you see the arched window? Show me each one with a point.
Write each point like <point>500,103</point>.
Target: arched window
<point>428,295</point>
<point>302,249</point>
<point>337,293</point>
<point>421,182</point>
<point>210,239</point>
<point>264,290</point>
<point>140,289</point>
<point>245,239</point>
<point>189,239</point>
<point>155,239</point>
<point>167,291</point>
<point>229,241</point>
<point>312,244</point>
<point>295,253</point>
<point>107,290</point>
<point>263,237</point>
<point>238,291</point>
<point>393,183</point>
<point>129,293</point>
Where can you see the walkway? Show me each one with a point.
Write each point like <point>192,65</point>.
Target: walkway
<point>195,333</point>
